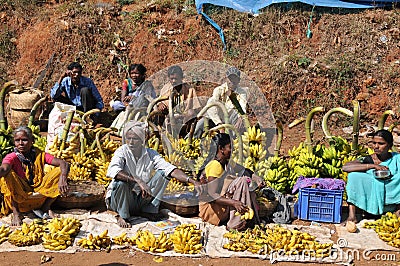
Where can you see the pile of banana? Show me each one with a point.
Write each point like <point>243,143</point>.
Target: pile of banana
<point>187,239</point>
<point>254,151</point>
<point>154,143</point>
<point>253,135</point>
<point>275,172</point>
<point>101,172</point>
<point>61,232</point>
<point>109,146</point>
<point>387,228</point>
<point>28,235</point>
<point>4,232</point>
<point>264,240</point>
<point>56,241</point>
<point>98,242</point>
<point>146,241</point>
<point>123,240</point>
<point>248,215</point>
<point>176,186</point>
<point>65,226</point>
<point>69,148</point>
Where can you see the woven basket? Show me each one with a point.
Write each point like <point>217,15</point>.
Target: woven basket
<point>82,195</point>
<point>181,209</point>
<point>267,208</point>
<point>18,118</point>
<point>24,98</point>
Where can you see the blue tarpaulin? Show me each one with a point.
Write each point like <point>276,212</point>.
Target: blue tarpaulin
<point>254,6</point>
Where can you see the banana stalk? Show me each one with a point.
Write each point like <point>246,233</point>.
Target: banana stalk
<point>240,141</point>
<point>134,113</point>
<point>66,128</point>
<point>6,88</point>
<point>328,114</point>
<point>382,120</point>
<point>279,128</point>
<point>104,130</point>
<point>88,113</point>
<point>209,105</point>
<point>308,125</point>
<point>34,110</point>
<point>82,141</point>
<point>356,125</point>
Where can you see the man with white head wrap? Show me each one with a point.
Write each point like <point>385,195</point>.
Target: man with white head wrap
<point>140,176</point>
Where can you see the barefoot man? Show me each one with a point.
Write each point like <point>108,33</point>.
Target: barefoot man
<point>140,176</point>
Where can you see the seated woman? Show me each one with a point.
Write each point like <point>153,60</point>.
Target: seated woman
<point>136,84</point>
<point>22,177</point>
<point>140,176</point>
<point>225,195</point>
<point>368,193</point>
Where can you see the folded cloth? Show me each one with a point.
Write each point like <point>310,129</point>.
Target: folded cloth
<point>38,213</point>
<point>117,105</point>
<point>322,183</point>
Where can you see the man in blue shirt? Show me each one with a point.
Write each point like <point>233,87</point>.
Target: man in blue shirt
<point>74,89</point>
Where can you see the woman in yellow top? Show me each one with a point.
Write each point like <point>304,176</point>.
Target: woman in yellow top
<point>23,183</point>
<point>226,196</point>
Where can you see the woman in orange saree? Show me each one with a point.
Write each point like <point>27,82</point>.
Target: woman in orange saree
<point>23,183</point>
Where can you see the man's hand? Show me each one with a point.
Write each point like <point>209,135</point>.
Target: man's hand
<point>146,192</point>
<point>162,107</point>
<point>198,186</point>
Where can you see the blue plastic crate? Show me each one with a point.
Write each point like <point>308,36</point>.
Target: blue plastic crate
<point>320,205</point>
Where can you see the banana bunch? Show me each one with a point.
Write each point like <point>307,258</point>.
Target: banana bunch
<point>40,141</point>
<point>79,173</point>
<point>199,162</point>
<point>264,240</point>
<point>28,235</point>
<point>4,232</point>
<point>64,226</point>
<point>387,228</point>
<point>101,172</point>
<point>310,160</point>
<point>174,158</point>
<point>296,151</point>
<point>187,239</point>
<point>330,153</point>
<point>250,163</point>
<point>332,171</point>
<point>98,242</point>
<point>109,146</point>
<point>190,150</point>
<point>253,135</point>
<point>275,173</point>
<point>257,151</point>
<point>154,143</point>
<point>6,142</point>
<point>56,241</point>
<point>175,186</point>
<point>248,215</point>
<point>146,241</point>
<point>123,240</point>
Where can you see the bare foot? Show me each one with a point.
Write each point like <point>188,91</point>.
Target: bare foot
<point>350,219</point>
<point>52,214</point>
<point>16,220</point>
<point>397,213</point>
<point>122,223</point>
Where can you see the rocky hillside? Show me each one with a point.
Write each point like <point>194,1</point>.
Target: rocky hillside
<point>353,54</point>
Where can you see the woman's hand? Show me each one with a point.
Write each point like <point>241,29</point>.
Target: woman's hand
<point>379,167</point>
<point>63,186</point>
<point>239,206</point>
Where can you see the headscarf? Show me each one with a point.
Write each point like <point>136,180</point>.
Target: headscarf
<point>28,161</point>
<point>138,128</point>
